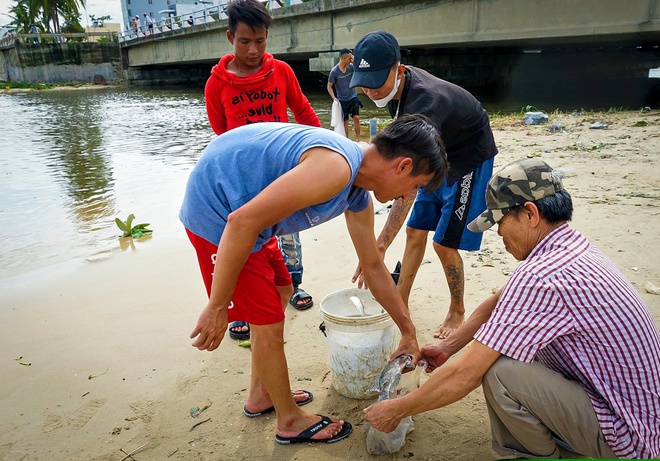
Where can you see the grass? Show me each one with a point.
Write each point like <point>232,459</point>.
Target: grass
<point>39,86</point>
<point>23,85</point>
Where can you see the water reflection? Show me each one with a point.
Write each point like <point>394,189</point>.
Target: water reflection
<point>72,161</point>
<point>82,165</point>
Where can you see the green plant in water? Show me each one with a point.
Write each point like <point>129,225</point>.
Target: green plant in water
<point>137,231</point>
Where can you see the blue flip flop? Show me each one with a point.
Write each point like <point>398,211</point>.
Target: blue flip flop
<point>306,435</point>
<point>250,414</point>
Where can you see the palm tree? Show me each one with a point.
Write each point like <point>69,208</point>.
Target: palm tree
<point>26,12</point>
<point>53,9</point>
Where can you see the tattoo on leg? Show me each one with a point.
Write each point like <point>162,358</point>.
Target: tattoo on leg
<point>455,281</point>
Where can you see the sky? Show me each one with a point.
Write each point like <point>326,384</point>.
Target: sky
<point>98,8</point>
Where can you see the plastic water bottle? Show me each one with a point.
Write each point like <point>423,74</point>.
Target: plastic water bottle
<point>373,125</point>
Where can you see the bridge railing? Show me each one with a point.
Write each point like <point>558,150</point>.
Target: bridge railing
<point>11,39</point>
<point>201,16</point>
<point>163,26</point>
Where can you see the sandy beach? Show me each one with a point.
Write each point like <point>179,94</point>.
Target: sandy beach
<point>111,365</point>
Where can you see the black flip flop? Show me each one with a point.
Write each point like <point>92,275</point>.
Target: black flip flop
<point>397,272</point>
<point>250,414</point>
<point>239,334</point>
<point>299,294</point>
<point>306,435</point>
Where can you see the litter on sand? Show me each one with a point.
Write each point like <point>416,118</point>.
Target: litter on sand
<point>96,376</point>
<point>195,411</point>
<point>650,288</point>
<point>22,362</point>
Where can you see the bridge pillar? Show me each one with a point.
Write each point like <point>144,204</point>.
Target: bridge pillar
<point>324,62</point>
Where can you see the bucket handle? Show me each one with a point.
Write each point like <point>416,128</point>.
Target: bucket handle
<point>322,328</point>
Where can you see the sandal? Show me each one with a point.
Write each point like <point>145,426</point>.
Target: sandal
<point>239,334</point>
<point>306,435</point>
<point>254,414</point>
<point>397,272</point>
<point>298,295</point>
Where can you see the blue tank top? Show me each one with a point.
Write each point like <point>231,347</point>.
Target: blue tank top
<point>242,162</point>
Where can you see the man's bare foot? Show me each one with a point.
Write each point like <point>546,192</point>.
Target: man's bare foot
<point>451,324</point>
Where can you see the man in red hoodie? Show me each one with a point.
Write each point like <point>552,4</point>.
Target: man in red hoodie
<point>251,86</point>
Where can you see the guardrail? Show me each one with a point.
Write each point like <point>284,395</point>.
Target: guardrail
<point>203,16</point>
<point>11,39</point>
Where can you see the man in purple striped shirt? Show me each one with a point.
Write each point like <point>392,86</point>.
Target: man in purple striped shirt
<point>567,352</point>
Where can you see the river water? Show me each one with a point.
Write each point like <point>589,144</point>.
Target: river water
<point>73,161</point>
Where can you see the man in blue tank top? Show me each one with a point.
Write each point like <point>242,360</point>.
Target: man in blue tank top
<point>245,190</point>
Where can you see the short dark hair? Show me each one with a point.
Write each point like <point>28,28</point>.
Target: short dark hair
<point>557,208</point>
<point>344,51</point>
<point>415,136</point>
<point>251,12</point>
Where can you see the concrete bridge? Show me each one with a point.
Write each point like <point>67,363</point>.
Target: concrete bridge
<point>300,32</point>
<point>515,50</point>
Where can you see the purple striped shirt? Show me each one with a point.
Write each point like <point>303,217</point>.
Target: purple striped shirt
<point>568,307</point>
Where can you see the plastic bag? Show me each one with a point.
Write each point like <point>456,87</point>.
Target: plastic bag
<point>381,443</point>
<point>337,119</point>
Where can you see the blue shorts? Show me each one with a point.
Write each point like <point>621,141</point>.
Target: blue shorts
<point>449,210</point>
<point>351,107</point>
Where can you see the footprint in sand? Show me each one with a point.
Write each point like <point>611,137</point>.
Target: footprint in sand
<point>81,417</point>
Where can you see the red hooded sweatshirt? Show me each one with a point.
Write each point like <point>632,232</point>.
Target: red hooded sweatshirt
<point>261,97</point>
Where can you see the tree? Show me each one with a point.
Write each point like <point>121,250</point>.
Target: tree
<point>45,13</point>
<point>25,13</point>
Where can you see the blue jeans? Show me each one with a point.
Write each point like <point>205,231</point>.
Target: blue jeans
<point>292,254</point>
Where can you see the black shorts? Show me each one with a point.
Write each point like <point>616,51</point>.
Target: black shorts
<point>351,108</point>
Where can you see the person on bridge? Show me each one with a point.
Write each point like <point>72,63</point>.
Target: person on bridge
<point>567,353</point>
<point>339,80</point>
<point>245,190</point>
<point>136,25</point>
<point>148,23</point>
<point>251,86</point>
<point>465,129</point>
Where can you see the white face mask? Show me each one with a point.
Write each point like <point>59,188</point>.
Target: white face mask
<point>383,102</point>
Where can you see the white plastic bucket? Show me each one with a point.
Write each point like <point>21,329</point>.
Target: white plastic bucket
<point>358,347</point>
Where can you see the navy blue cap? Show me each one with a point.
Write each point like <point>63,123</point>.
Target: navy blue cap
<point>374,54</point>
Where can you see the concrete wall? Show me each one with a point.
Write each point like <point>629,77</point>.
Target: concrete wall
<point>67,62</point>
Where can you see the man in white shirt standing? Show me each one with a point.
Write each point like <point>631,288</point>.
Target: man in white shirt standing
<point>149,24</point>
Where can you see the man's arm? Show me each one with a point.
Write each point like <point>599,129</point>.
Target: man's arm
<point>438,353</point>
<point>331,91</point>
<point>302,110</point>
<point>395,220</point>
<point>450,384</point>
<point>361,228</point>
<point>280,199</point>
<point>214,108</point>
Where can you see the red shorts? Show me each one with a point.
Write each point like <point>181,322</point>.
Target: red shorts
<point>256,298</point>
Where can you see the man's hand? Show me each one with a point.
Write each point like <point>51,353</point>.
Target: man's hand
<point>210,329</point>
<point>407,346</point>
<point>358,275</point>
<point>435,355</point>
<point>382,415</point>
